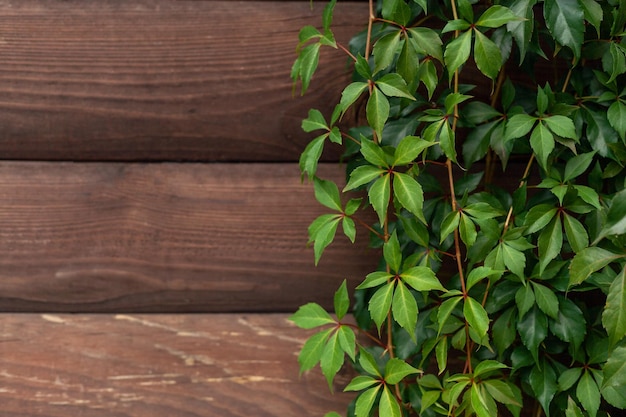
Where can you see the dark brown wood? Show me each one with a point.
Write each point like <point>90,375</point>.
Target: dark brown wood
<point>158,366</point>
<point>160,79</point>
<point>165,238</point>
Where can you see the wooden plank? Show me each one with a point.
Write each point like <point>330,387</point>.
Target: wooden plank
<point>160,80</point>
<point>165,238</point>
<point>158,366</point>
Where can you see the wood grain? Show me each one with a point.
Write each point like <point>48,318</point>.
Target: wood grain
<point>165,238</point>
<point>160,80</point>
<point>158,366</point>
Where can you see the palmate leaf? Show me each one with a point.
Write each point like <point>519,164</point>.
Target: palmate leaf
<point>397,369</point>
<point>565,20</point>
<point>588,261</point>
<point>542,142</point>
<point>327,193</point>
<point>614,314</point>
<point>311,351</point>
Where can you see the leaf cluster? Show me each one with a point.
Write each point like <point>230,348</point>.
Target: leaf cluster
<point>499,193</point>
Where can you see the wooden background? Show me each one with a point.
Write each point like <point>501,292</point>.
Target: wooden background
<point>148,164</point>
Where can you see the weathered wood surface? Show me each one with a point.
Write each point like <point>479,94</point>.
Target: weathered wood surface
<point>158,366</point>
<point>160,79</point>
<point>165,238</point>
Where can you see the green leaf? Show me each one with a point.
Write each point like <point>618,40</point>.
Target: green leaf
<point>449,224</point>
<point>380,304</point>
<point>504,332</point>
<point>332,414</point>
<point>361,382</point>
<point>502,392</point>
<point>482,210</point>
<point>350,94</point>
<point>377,111</point>
<point>332,359</point>
<point>546,300</point>
<point>428,75</point>
<point>421,278</point>
<point>519,125</point>
<point>524,299</point>
<point>311,155</point>
<point>476,316</point>
<point>327,16</point>
<point>363,175</point>
<point>616,216</point>
<point>445,310</point>
<point>538,217</point>
<point>487,55</point>
<point>368,363</point>
<point>542,142</point>
<point>373,153</point>
<point>486,367</point>
<point>397,369</point>
<point>588,195</point>
<point>615,378</point>
<point>533,329</point>
<point>593,13</point>
<point>614,314</point>
<point>311,351</point>
<point>456,24</point>
<point>447,141</point>
<point>324,234</point>
<point>496,16</point>
<point>543,383</point>
<point>388,405</point>
<point>426,42</point>
<point>341,300</point>
<point>311,315</point>
<point>385,50</point>
<point>409,194</point>
<point>572,409</point>
<point>482,403</point>
<point>409,149</point>
<point>375,279</point>
<point>467,230</point>
<point>441,354</point>
<point>365,401</point>
<point>562,126</point>
<point>408,63</point>
<point>306,64</point>
<point>568,378</point>
<point>565,20</point>
<point>588,261</point>
<point>550,242</point>
<point>617,118</point>
<point>327,194</point>
<point>522,30</point>
<point>379,195</point>
<point>392,252</point>
<point>588,393</point>
<point>315,121</point>
<point>514,260</point>
<point>393,85</point>
<point>404,308</point>
<point>457,52</point>
<point>347,340</point>
<point>575,232</point>
<point>479,273</point>
<point>577,165</point>
<point>349,228</point>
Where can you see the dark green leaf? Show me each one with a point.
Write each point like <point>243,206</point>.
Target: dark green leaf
<point>522,30</point>
<point>550,242</point>
<point>615,378</point>
<point>525,299</point>
<point>312,349</point>
<point>538,217</point>
<point>327,194</point>
<point>447,141</point>
<point>577,165</point>
<point>377,111</point>
<point>457,24</point>
<point>426,42</point>
<point>428,76</point>
<point>575,232</point>
<point>311,315</point>
<point>568,378</point>
<point>450,222</point>
<point>514,260</point>
<point>415,230</point>
<point>565,22</point>
<point>614,314</point>
<point>504,332</point>
<point>533,329</point>
<point>385,50</point>
<point>542,142</point>
<point>487,367</point>
<point>445,310</point>
<point>503,392</point>
<point>617,117</point>
<point>616,216</point>
<point>593,13</point>
<point>543,382</point>
<point>341,300</point>
<point>546,300</point>
<point>588,394</point>
<point>482,211</point>
<point>588,261</point>
<point>409,194</point>
<point>467,230</point>
<point>408,63</point>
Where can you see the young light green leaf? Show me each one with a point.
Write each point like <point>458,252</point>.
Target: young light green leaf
<point>332,359</point>
<point>311,315</point>
<point>361,382</point>
<point>311,155</point>
<point>327,15</point>
<point>341,300</point>
<point>380,304</point>
<point>324,234</point>
<point>404,308</point>
<point>397,369</point>
<point>565,20</point>
<point>315,121</point>
<point>572,409</point>
<point>476,316</point>
<point>388,404</point>
<point>441,354</point>
<point>421,278</point>
<point>588,393</point>
<point>373,153</point>
<point>368,363</point>
<point>377,111</point>
<point>311,351</point>
<point>479,273</point>
<point>379,195</point>
<point>409,194</point>
<point>546,300</point>
<point>447,141</point>
<point>614,314</point>
<point>487,367</point>
<point>327,194</point>
<point>365,402</point>
<point>496,16</point>
<point>350,94</point>
<point>487,55</point>
<point>457,52</point>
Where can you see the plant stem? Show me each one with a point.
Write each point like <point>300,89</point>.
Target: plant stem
<point>370,23</point>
